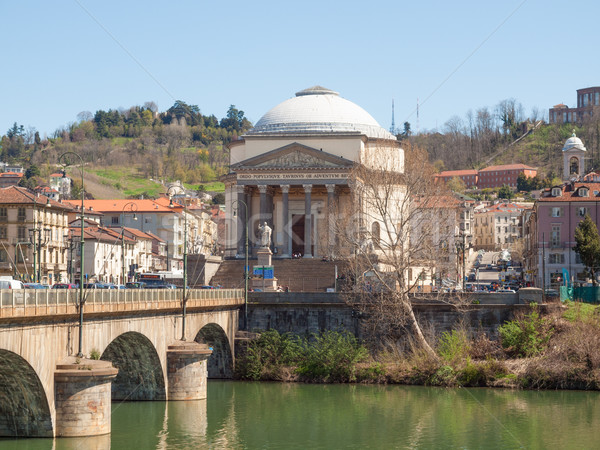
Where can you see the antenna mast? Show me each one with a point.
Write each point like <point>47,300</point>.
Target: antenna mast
<point>417,115</point>
<point>393,127</point>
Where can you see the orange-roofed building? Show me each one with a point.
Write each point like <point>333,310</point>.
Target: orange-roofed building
<point>25,218</point>
<point>497,176</point>
<point>469,176</point>
<point>160,217</point>
<point>10,179</point>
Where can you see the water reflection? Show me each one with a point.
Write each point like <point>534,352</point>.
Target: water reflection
<point>271,415</point>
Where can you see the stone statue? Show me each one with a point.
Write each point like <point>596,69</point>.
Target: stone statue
<point>265,235</point>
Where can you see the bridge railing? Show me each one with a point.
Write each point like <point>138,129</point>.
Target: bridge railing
<point>151,298</point>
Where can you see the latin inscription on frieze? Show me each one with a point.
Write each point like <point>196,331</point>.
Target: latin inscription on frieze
<point>293,176</point>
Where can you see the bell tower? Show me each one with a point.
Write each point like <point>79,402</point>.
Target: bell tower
<point>573,158</point>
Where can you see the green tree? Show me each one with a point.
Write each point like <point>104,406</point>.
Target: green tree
<point>33,171</point>
<point>219,199</point>
<point>505,192</point>
<point>523,183</point>
<point>456,185</point>
<point>587,245</point>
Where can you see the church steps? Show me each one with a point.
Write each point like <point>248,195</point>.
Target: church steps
<point>300,275</point>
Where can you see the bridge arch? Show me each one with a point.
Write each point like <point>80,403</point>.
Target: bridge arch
<point>24,409</point>
<point>140,374</point>
<point>220,363</point>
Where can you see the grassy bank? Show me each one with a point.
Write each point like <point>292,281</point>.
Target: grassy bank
<point>560,350</point>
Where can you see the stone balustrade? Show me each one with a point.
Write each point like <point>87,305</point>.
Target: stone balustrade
<point>15,303</point>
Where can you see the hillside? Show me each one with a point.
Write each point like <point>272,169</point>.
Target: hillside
<point>132,153</point>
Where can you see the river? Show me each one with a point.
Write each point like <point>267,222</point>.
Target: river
<point>243,415</point>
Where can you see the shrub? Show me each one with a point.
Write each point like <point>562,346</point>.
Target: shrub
<point>267,356</point>
<point>444,376</point>
<point>527,335</point>
<point>95,354</point>
<point>472,374</point>
<point>331,357</point>
<point>453,346</point>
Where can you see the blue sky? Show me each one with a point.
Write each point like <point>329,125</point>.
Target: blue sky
<point>64,57</point>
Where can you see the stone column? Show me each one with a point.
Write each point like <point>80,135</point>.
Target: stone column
<point>330,219</point>
<point>241,213</point>
<point>249,219</point>
<point>82,393</point>
<point>262,188</point>
<point>307,221</point>
<point>285,190</point>
<point>187,371</point>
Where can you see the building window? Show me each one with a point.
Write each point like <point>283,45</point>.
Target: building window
<point>556,258</point>
<point>556,192</point>
<point>556,211</point>
<point>574,166</point>
<point>555,236</point>
<point>3,256</point>
<point>21,214</point>
<point>115,220</point>
<point>583,192</point>
<point>581,211</point>
<point>3,233</point>
<point>3,214</point>
<point>375,234</point>
<point>22,233</point>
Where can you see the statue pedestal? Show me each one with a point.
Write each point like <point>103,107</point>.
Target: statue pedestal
<point>269,283</point>
<point>264,255</point>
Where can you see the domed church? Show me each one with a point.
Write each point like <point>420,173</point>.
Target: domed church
<point>292,171</point>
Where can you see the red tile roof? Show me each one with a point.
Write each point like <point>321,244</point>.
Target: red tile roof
<point>11,175</point>
<point>21,195</point>
<point>117,206</point>
<point>508,167</point>
<point>570,193</point>
<point>457,173</point>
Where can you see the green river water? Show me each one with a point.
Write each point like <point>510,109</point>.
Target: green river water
<point>302,416</point>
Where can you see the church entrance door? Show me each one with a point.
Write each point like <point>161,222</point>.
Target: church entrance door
<point>297,233</point>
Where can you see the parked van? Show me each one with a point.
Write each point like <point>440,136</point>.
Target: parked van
<point>10,283</point>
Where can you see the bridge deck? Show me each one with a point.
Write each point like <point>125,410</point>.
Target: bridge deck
<point>52,302</point>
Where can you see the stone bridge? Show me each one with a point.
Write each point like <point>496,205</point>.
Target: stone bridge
<point>45,390</point>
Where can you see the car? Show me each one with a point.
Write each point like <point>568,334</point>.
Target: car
<point>10,283</point>
<point>136,285</point>
<point>35,286</point>
<point>505,290</point>
<point>552,293</point>
<point>64,286</point>
<point>207,287</point>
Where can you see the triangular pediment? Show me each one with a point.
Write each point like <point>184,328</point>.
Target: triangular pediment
<point>294,156</point>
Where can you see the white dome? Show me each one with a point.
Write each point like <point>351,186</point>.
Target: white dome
<point>573,143</point>
<point>319,110</point>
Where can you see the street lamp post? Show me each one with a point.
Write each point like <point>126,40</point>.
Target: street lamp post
<point>235,206</point>
<point>132,208</point>
<point>462,246</point>
<point>38,240</point>
<point>68,240</point>
<point>65,160</point>
<point>170,192</point>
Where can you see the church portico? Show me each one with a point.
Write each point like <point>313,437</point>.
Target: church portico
<point>301,216</point>
<point>292,170</point>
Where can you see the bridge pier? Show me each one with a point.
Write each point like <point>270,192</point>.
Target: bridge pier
<point>187,370</point>
<point>82,392</point>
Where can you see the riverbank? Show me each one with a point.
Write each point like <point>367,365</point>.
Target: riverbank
<point>559,350</point>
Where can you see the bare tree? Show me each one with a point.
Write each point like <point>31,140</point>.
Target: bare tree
<point>395,234</point>
<point>85,116</point>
